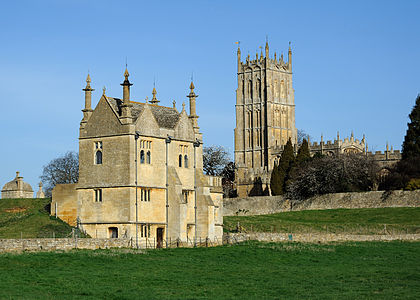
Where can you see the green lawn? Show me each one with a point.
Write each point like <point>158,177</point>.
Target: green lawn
<point>247,271</point>
<point>355,221</point>
<point>29,218</point>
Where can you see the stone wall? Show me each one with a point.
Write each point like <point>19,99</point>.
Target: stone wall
<point>274,204</point>
<point>11,245</point>
<point>64,203</point>
<point>316,237</point>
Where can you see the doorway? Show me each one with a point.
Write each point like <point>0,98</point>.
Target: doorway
<point>159,237</point>
<point>113,232</point>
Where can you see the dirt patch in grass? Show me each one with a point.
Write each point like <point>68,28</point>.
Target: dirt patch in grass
<point>15,209</point>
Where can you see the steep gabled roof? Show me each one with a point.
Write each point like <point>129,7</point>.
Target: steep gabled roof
<point>166,117</point>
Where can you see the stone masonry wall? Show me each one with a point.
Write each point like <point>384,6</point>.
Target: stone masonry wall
<point>12,245</point>
<point>274,204</point>
<point>316,237</point>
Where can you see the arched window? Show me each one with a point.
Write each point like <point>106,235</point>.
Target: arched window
<point>249,89</point>
<point>185,161</point>
<point>142,157</point>
<point>98,157</point>
<point>148,157</point>
<point>180,160</point>
<point>259,88</point>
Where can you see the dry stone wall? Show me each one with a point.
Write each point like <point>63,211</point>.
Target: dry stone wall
<point>274,204</point>
<point>17,245</point>
<point>317,237</point>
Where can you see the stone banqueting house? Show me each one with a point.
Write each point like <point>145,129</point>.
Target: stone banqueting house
<point>17,188</point>
<point>265,120</point>
<point>127,146</point>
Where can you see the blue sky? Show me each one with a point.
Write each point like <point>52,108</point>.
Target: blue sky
<point>356,66</point>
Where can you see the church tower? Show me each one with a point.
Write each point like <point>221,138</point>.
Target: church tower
<point>265,117</point>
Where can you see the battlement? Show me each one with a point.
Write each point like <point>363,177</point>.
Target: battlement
<point>263,60</point>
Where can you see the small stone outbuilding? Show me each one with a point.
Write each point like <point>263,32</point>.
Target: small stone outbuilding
<point>17,188</point>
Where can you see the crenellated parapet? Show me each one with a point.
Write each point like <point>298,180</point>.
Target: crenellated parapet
<point>339,146</point>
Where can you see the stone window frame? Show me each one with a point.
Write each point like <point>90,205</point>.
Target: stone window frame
<point>98,149</point>
<point>98,195</point>
<point>145,151</point>
<point>142,159</point>
<point>183,156</point>
<point>185,194</point>
<point>145,195</point>
<point>145,230</point>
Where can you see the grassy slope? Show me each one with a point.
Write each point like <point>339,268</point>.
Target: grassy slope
<point>29,217</point>
<point>248,271</point>
<point>358,221</point>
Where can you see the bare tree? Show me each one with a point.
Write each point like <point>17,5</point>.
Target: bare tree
<point>63,169</point>
<point>301,134</point>
<point>215,159</point>
<point>345,173</point>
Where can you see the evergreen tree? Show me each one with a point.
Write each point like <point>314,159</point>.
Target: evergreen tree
<point>285,163</point>
<point>411,144</point>
<point>275,183</point>
<point>303,154</point>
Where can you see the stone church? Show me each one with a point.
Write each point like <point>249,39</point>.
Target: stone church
<point>141,173</point>
<point>265,120</point>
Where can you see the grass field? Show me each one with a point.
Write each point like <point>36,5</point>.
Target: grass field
<point>248,271</point>
<point>354,221</point>
<point>29,218</point>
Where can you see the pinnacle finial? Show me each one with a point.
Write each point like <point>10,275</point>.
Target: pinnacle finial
<point>103,90</point>
<point>290,46</point>
<point>192,87</point>
<point>154,99</point>
<point>266,46</point>
<point>174,104</point>
<point>183,105</point>
<point>88,81</point>
<point>126,74</point>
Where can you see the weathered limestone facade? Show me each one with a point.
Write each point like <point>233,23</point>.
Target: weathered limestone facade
<point>265,120</point>
<point>265,116</point>
<point>141,167</point>
<point>351,145</point>
<point>17,188</point>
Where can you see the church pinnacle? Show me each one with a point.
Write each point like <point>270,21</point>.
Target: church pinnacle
<point>290,56</point>
<point>154,99</point>
<point>266,48</point>
<point>193,115</point>
<point>126,86</point>
<point>88,94</point>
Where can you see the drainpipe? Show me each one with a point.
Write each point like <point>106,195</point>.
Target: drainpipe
<point>136,137</point>
<point>196,144</point>
<point>167,141</point>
